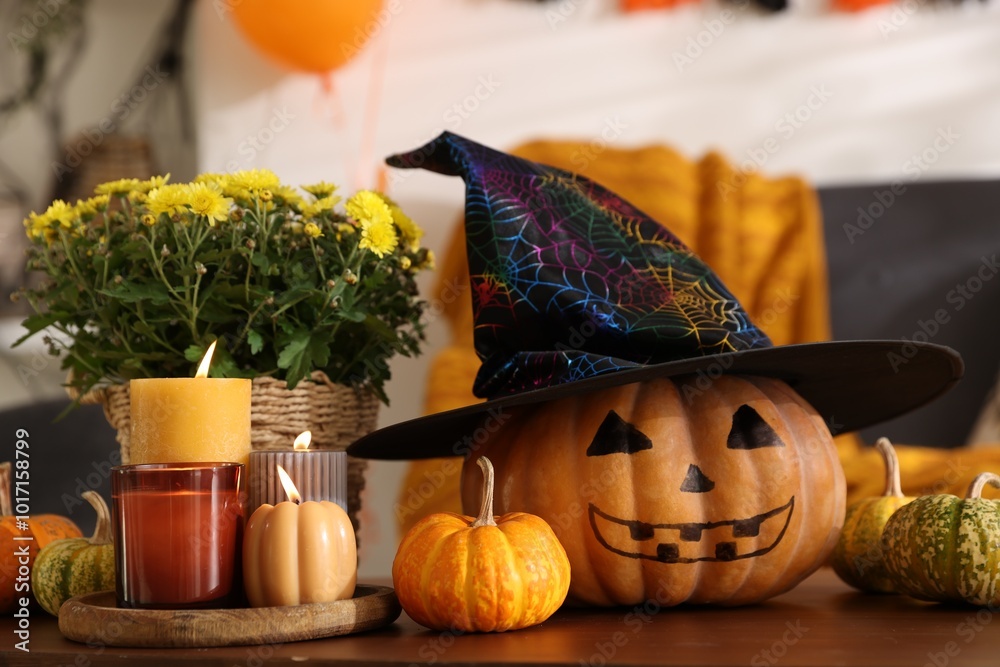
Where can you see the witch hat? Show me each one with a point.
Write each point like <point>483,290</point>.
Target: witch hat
<point>576,290</point>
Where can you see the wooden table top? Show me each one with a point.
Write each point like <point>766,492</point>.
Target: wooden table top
<point>820,623</point>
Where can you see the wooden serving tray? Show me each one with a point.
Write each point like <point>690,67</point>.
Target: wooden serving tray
<point>96,620</point>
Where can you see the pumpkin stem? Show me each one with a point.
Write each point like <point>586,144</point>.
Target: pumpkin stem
<point>981,480</point>
<point>892,485</point>
<point>485,517</point>
<point>102,531</point>
<point>5,505</point>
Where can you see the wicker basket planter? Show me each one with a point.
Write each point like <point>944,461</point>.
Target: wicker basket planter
<point>337,416</point>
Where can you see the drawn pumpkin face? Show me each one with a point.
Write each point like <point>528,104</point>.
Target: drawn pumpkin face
<point>663,491</point>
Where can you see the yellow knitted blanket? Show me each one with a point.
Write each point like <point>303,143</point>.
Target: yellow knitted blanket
<point>762,236</point>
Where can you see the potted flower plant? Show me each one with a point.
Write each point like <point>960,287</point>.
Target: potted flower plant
<point>308,298</point>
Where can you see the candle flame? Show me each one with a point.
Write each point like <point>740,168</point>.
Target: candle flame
<point>289,486</point>
<point>206,361</point>
<point>302,441</point>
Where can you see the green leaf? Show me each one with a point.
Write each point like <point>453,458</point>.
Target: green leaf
<point>381,328</point>
<point>131,292</point>
<point>223,364</point>
<point>261,261</point>
<point>294,356</point>
<point>35,323</point>
<point>354,315</point>
<point>320,350</point>
<point>301,355</point>
<point>256,341</point>
<point>194,352</point>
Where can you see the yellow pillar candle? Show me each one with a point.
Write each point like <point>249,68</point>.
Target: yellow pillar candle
<point>190,419</point>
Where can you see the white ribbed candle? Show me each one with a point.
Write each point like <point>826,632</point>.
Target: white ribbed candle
<point>318,475</point>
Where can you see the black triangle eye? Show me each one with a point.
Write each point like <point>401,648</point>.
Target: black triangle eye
<point>750,431</point>
<point>617,436</point>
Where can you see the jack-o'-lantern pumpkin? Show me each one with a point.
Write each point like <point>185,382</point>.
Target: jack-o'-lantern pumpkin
<point>659,491</point>
<point>632,403</point>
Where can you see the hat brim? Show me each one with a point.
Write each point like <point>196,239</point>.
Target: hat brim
<point>851,384</point>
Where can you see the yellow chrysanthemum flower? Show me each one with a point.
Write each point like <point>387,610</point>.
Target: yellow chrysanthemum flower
<point>410,230</point>
<point>320,190</point>
<point>153,183</point>
<point>211,177</point>
<point>79,228</point>
<point>241,195</point>
<point>346,228</point>
<point>254,180</point>
<point>312,230</point>
<point>62,213</point>
<point>404,262</point>
<point>169,199</point>
<point>430,262</point>
<point>226,185</point>
<point>378,235</point>
<point>121,187</point>
<point>368,206</point>
<point>89,208</point>
<point>99,202</point>
<point>289,196</point>
<point>321,205</point>
<point>205,199</point>
<point>85,209</point>
<point>36,224</point>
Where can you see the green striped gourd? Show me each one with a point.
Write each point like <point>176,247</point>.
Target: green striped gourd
<point>946,548</point>
<point>858,557</point>
<point>76,566</point>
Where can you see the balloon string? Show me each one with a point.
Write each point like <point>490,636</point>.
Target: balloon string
<point>369,122</point>
<point>328,102</point>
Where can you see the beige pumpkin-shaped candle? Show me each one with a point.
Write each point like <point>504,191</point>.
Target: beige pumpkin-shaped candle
<point>299,552</point>
<point>77,565</point>
<point>858,557</point>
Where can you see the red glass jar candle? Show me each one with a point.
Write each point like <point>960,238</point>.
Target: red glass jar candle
<point>178,533</point>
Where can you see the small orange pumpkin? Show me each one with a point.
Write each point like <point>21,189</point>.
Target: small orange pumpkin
<point>483,574</point>
<point>41,528</point>
<point>676,490</point>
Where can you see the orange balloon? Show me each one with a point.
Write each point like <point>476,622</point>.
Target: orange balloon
<point>309,35</point>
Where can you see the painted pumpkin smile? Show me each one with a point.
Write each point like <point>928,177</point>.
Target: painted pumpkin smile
<point>714,541</point>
